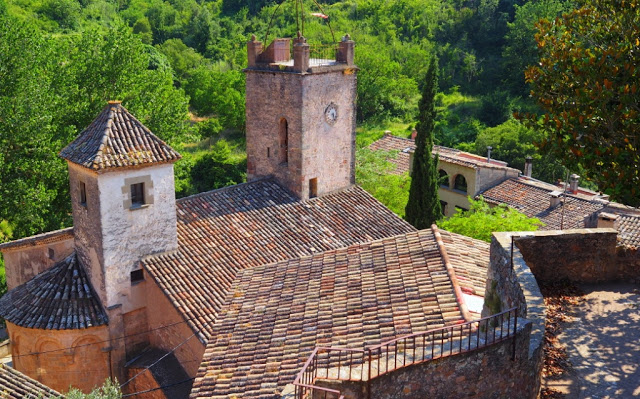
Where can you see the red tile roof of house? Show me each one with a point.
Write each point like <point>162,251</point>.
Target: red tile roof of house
<point>534,200</point>
<point>116,139</point>
<point>44,238</point>
<point>225,231</point>
<point>403,146</point>
<point>628,227</point>
<point>60,298</point>
<point>15,385</point>
<point>352,297</point>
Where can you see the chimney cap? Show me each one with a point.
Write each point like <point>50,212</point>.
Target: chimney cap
<point>529,158</point>
<point>607,216</point>
<point>555,194</point>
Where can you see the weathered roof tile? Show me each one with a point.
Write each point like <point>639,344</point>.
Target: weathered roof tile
<point>116,139</point>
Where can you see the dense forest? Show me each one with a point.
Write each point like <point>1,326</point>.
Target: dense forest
<point>177,65</point>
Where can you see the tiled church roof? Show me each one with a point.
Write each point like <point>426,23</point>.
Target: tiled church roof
<point>15,385</point>
<point>116,139</point>
<point>60,298</point>
<point>358,296</point>
<point>225,231</point>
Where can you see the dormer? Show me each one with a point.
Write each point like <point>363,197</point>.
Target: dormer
<point>123,200</point>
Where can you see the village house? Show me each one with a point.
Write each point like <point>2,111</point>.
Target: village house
<point>558,206</point>
<point>463,174</point>
<point>244,291</point>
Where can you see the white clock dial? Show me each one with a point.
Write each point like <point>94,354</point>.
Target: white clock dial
<point>331,114</point>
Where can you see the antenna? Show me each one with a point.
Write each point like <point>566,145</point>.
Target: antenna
<point>300,18</point>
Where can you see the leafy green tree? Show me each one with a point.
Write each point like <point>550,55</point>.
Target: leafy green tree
<point>383,91</point>
<point>481,220</point>
<point>65,12</point>
<point>520,49</point>
<point>513,142</point>
<point>216,169</point>
<point>219,93</point>
<point>375,174</point>
<point>423,207</point>
<point>108,390</point>
<point>587,83</point>
<point>183,59</point>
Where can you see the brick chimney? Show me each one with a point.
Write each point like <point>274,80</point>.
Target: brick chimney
<point>528,166</point>
<point>414,134</point>
<point>607,220</point>
<point>573,183</point>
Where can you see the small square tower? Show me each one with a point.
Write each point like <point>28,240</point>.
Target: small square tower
<point>301,115</point>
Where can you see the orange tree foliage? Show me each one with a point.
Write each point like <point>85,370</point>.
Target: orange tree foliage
<point>587,82</point>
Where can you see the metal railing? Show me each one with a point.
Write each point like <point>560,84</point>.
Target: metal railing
<point>345,364</point>
<point>322,54</point>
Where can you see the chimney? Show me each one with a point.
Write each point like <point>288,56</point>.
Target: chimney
<point>254,49</point>
<point>555,198</point>
<point>573,183</point>
<point>528,166</point>
<point>346,50</point>
<point>607,220</point>
<point>489,148</point>
<point>414,134</point>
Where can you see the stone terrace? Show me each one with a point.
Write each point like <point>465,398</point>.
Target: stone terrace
<point>351,297</point>
<point>225,231</point>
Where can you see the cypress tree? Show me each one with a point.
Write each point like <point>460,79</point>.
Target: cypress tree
<point>423,207</point>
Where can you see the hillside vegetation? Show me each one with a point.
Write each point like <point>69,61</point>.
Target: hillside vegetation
<point>177,65</point>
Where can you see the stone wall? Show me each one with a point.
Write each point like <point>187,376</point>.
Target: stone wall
<point>161,313</point>
<point>490,372</point>
<point>488,177</point>
<point>581,256</point>
<point>25,262</point>
<point>78,358</point>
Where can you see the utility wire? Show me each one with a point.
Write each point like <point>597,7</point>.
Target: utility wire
<point>163,356</point>
<point>158,388</point>
<point>107,340</point>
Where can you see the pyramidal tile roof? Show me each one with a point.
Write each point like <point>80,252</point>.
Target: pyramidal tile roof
<point>15,385</point>
<point>60,298</point>
<point>116,139</point>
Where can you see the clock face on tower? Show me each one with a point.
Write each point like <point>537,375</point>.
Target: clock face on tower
<point>331,114</point>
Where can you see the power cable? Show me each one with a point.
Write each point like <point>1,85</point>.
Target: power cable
<point>163,356</point>
<point>158,388</point>
<point>108,340</point>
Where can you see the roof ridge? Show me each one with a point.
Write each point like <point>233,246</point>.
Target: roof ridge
<point>464,310</point>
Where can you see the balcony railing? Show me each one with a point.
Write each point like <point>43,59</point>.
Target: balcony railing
<point>345,364</point>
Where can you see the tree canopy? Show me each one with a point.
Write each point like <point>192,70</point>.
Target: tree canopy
<point>481,220</point>
<point>587,82</point>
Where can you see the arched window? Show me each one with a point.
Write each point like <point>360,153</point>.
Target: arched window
<point>460,183</point>
<point>444,178</point>
<point>284,141</point>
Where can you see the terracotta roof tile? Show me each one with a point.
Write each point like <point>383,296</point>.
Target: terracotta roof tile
<point>534,201</point>
<point>225,231</point>
<point>404,147</point>
<point>353,297</point>
<point>60,298</point>
<point>116,139</point>
<point>628,227</point>
<point>15,385</point>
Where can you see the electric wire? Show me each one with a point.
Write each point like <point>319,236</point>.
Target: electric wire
<point>108,340</point>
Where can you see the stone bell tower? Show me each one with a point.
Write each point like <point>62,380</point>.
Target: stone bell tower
<point>301,115</point>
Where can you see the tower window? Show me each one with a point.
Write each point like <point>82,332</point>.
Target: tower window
<point>284,141</point>
<point>137,276</point>
<point>313,187</point>
<point>137,194</point>
<point>83,194</point>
